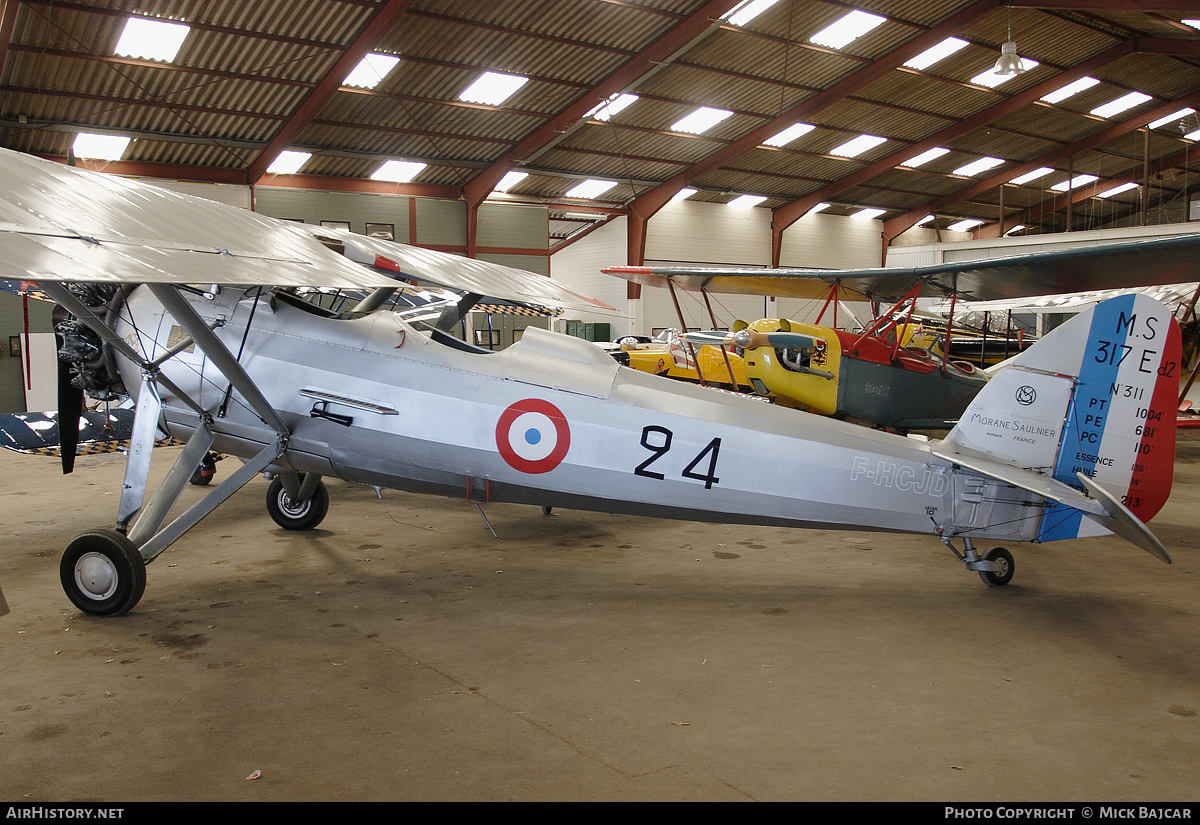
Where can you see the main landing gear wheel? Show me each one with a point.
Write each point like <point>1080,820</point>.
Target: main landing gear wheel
<point>1005,567</point>
<point>103,573</point>
<point>297,515</point>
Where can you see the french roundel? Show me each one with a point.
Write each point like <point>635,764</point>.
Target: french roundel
<point>533,436</point>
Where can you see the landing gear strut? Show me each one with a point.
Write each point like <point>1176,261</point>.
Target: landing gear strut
<point>995,568</point>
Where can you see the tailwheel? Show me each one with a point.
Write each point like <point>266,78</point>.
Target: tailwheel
<point>1003,567</point>
<point>103,573</point>
<point>297,515</point>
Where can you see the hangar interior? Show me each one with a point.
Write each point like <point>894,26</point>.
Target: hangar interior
<point>396,654</point>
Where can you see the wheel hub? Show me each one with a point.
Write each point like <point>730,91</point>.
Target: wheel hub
<point>96,576</point>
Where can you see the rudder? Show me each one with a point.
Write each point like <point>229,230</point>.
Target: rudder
<point>1097,396</point>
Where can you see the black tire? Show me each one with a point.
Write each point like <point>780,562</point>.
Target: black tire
<point>204,471</point>
<point>1004,575</point>
<point>102,573</point>
<point>297,515</point>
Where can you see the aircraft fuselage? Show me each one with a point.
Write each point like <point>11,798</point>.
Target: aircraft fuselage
<point>552,421</point>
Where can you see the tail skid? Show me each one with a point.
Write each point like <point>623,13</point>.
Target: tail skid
<point>1084,418</point>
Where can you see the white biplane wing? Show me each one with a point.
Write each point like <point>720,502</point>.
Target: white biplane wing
<point>1155,262</point>
<point>132,232</point>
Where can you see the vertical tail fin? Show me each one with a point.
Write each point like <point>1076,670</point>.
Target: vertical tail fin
<point>1096,396</point>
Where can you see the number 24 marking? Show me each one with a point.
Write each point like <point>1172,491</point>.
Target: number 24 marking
<point>660,449</point>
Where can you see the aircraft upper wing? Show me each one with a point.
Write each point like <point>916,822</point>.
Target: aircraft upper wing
<point>457,272</point>
<point>59,223</point>
<point>1108,266</point>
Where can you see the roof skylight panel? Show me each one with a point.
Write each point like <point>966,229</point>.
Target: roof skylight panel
<point>700,121</point>
<point>847,29</point>
<point>1070,90</point>
<point>789,134</point>
<point>856,146</point>
<point>1117,190</point>
<point>965,225</point>
<point>1121,104</point>
<point>510,180</point>
<point>1172,118</point>
<point>867,214</point>
<point>935,54</point>
<point>99,147</point>
<point>288,162</point>
<point>744,12</point>
<point>397,171</point>
<point>590,189</point>
<point>493,88</point>
<point>151,39</point>
<point>977,167</point>
<point>925,157</point>
<point>747,201</point>
<point>1074,183</point>
<point>1029,177</point>
<point>371,70</point>
<point>613,106</point>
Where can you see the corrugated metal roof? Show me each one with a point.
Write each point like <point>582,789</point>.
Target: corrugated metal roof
<point>250,73</point>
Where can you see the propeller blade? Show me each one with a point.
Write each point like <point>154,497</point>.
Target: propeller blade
<point>70,407</point>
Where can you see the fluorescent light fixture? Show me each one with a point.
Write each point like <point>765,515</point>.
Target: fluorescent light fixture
<point>1074,183</point>
<point>288,163</point>
<point>746,201</point>
<point>964,225</point>
<point>925,220</point>
<point>820,207</point>
<point>99,147</point>
<point>1193,135</point>
<point>492,88</point>
<point>925,157</point>
<point>371,70</point>
<point>1174,117</point>
<point>846,30</point>
<point>977,167</point>
<point>743,13</point>
<point>856,146</point>
<point>1070,90</point>
<point>1116,190</point>
<point>867,214</point>
<point>700,121</point>
<point>1015,229</point>
<point>510,180</point>
<point>789,134</point>
<point>397,171</point>
<point>1121,104</point>
<point>1195,24</point>
<point>1040,172</point>
<point>614,105</point>
<point>151,39</point>
<point>683,194</point>
<point>590,188</point>
<point>992,79</point>
<point>935,53</point>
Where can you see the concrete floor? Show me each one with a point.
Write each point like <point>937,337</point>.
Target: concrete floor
<point>401,652</point>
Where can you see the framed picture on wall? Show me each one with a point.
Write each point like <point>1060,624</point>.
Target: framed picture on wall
<point>337,224</point>
<point>482,338</point>
<point>386,231</point>
<point>14,346</point>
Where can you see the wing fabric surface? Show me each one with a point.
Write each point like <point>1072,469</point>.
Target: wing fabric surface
<point>58,223</point>
<point>458,272</point>
<point>1155,262</point>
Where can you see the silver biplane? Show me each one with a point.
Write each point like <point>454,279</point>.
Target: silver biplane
<point>193,310</point>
